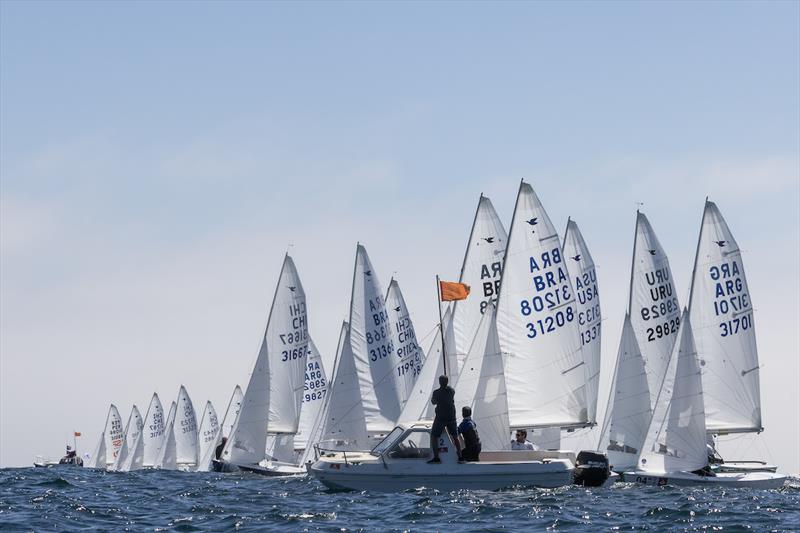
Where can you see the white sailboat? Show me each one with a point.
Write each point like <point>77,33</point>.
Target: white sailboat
<point>132,430</point>
<point>407,351</point>
<point>153,432</point>
<point>167,457</point>
<point>537,324</point>
<point>721,309</point>
<point>272,401</point>
<point>228,421</point>
<point>208,435</point>
<point>314,397</point>
<point>187,444</point>
<point>674,450</point>
<point>481,270</point>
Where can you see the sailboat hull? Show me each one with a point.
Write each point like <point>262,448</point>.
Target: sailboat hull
<point>268,469</point>
<point>744,466</point>
<point>753,480</point>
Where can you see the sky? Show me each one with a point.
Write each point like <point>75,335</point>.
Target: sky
<point>158,159</point>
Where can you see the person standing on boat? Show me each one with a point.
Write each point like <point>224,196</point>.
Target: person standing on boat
<point>444,400</point>
<point>521,441</point>
<point>468,429</point>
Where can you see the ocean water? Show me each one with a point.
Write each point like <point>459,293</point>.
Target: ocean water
<point>75,499</point>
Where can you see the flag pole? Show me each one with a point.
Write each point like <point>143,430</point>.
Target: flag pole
<point>441,328</point>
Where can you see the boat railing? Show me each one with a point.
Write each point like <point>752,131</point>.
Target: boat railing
<point>320,451</point>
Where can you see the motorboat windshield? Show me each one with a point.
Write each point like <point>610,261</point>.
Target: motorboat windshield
<point>387,441</point>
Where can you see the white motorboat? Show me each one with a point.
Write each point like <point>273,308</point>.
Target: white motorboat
<point>400,462</point>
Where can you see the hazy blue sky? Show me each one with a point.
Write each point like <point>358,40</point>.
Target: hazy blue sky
<point>158,158</point>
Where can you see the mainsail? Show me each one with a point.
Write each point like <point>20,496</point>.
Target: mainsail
<point>272,400</point>
<point>481,270</point>
<point>584,283</point>
<point>373,349</point>
<point>537,323</point>
<point>153,432</point>
<point>208,436</point>
<point>132,430</point>
<point>408,354</point>
<point>722,319</point>
<point>482,385</point>
<point>314,396</point>
<point>676,438</point>
<point>114,435</point>
<point>653,303</point>
<point>628,413</point>
<point>232,412</point>
<point>185,429</point>
<point>344,412</point>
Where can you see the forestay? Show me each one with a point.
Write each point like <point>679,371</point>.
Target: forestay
<point>722,319</point>
<point>185,429</point>
<point>676,437</point>
<point>373,348</point>
<point>537,322</point>
<point>653,303</point>
<point>344,413</point>
<point>408,355</point>
<point>584,283</point>
<point>418,406</point>
<point>208,436</point>
<point>482,386</point>
<point>314,394</point>
<point>153,432</point>
<point>481,270</point>
<point>114,435</point>
<point>167,455</point>
<point>628,413</point>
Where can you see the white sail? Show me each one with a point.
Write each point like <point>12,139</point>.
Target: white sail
<point>286,341</point>
<point>135,458</point>
<point>653,303</point>
<point>373,348</point>
<point>153,432</point>
<point>132,430</point>
<point>98,458</point>
<point>185,429</point>
<point>208,436</point>
<point>271,402</point>
<point>628,413</point>
<point>584,283</point>
<point>167,455</point>
<point>481,270</point>
<point>280,448</point>
<point>482,385</point>
<point>408,355</point>
<point>722,319</point>
<point>418,406</point>
<point>676,438</point>
<point>232,412</point>
<point>114,435</point>
<point>537,321</point>
<point>314,395</point>
<point>344,414</point>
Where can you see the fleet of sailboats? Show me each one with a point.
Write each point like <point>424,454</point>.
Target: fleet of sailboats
<point>523,351</point>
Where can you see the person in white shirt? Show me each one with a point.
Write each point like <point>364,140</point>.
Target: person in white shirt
<point>521,442</point>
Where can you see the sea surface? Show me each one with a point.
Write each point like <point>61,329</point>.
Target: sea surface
<point>75,499</point>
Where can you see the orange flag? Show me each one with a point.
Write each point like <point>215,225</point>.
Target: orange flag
<point>451,291</point>
<point>77,433</point>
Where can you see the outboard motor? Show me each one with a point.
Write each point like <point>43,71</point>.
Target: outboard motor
<point>591,469</point>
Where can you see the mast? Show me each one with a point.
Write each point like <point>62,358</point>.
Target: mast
<point>508,240</point>
<point>633,262</point>
<point>469,242</point>
<point>441,328</point>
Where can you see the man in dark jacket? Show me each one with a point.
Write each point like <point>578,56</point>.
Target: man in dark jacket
<point>469,430</point>
<point>444,400</point>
